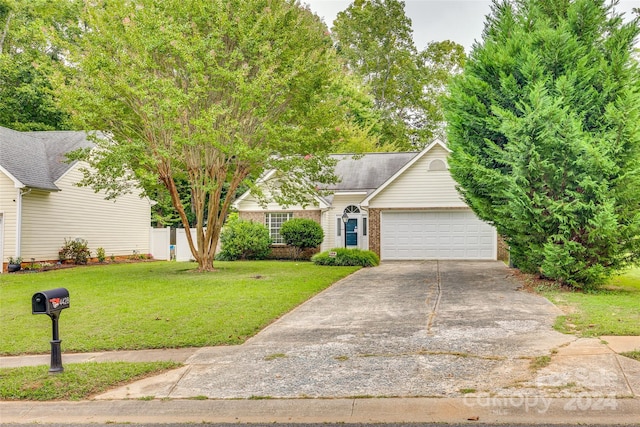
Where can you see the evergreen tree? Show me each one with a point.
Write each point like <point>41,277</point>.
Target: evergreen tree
<point>544,124</point>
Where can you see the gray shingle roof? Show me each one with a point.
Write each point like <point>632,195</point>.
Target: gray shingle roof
<point>37,159</point>
<point>368,171</point>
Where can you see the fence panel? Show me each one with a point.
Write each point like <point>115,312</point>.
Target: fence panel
<point>160,243</point>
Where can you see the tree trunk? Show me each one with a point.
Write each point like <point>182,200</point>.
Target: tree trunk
<point>5,31</point>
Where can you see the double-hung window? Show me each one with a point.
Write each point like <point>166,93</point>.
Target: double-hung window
<point>273,222</point>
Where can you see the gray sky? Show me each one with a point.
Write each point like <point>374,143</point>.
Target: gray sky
<point>435,20</point>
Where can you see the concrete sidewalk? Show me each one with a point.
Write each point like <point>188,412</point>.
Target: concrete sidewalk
<point>515,410</point>
<point>456,340</point>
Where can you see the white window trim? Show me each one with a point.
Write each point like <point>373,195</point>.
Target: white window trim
<point>273,231</point>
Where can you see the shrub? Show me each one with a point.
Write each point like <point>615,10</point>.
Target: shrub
<point>353,257</point>
<point>244,240</point>
<point>100,254</point>
<point>76,250</point>
<point>301,234</point>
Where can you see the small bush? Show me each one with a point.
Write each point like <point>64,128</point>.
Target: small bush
<point>244,240</point>
<point>351,257</point>
<point>76,250</point>
<point>100,254</point>
<point>301,234</point>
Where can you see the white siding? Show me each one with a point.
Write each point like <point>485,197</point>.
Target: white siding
<point>419,187</point>
<point>8,193</point>
<point>120,227</point>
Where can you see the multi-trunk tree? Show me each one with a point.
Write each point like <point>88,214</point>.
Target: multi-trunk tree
<point>210,93</point>
<point>544,124</point>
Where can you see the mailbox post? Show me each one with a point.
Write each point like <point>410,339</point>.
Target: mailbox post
<point>51,303</point>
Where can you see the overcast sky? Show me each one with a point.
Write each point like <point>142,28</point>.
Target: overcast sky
<point>435,20</point>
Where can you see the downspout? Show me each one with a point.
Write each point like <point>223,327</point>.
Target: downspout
<point>19,220</point>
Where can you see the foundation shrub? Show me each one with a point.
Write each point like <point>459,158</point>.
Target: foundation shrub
<point>347,257</point>
<point>243,240</point>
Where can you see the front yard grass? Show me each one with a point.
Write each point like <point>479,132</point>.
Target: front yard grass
<point>157,304</point>
<point>78,381</point>
<point>612,310</point>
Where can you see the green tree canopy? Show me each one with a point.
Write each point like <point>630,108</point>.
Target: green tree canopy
<point>211,93</point>
<point>544,124</point>
<point>376,40</point>
<point>30,54</point>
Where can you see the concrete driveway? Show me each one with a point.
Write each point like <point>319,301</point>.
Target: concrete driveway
<point>431,328</point>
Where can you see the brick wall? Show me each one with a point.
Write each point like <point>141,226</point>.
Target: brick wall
<point>503,250</point>
<point>374,231</point>
<point>260,216</point>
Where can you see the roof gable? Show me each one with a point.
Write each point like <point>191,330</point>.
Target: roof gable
<point>37,159</point>
<point>403,169</point>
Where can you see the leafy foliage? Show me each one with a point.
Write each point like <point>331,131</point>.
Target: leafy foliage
<point>76,250</point>
<point>301,234</point>
<point>244,240</point>
<point>375,39</point>
<point>544,125</point>
<point>209,95</point>
<point>344,257</point>
<point>100,254</point>
<point>30,56</point>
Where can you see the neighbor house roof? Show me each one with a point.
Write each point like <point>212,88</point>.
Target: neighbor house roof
<point>37,159</point>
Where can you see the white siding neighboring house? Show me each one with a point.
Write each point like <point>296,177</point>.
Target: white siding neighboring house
<point>40,205</point>
<point>399,205</point>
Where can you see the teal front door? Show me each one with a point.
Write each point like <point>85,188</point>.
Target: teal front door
<point>352,232</point>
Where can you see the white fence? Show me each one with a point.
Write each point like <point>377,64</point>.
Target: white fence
<point>160,244</point>
<point>183,252</point>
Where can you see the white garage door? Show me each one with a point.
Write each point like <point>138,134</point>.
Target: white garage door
<point>435,235</point>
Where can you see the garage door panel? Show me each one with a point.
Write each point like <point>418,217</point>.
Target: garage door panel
<point>435,235</point>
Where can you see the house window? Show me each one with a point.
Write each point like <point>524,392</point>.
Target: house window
<point>273,222</point>
<point>352,209</point>
<point>364,226</point>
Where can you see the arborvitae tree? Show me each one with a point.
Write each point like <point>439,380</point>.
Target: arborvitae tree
<point>544,124</point>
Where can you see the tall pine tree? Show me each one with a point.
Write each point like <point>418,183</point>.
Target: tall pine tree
<point>544,124</point>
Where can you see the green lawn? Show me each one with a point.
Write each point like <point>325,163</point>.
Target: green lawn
<point>78,381</point>
<point>613,310</point>
<point>157,304</point>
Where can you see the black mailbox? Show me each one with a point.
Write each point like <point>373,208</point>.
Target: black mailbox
<point>49,302</point>
<point>52,302</point>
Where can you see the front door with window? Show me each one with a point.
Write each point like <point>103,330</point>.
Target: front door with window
<point>352,232</point>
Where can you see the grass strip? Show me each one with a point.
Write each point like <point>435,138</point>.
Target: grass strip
<point>635,355</point>
<point>78,381</point>
<point>612,310</point>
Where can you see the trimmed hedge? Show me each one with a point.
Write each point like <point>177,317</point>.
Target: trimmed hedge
<point>351,257</point>
<point>301,234</point>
